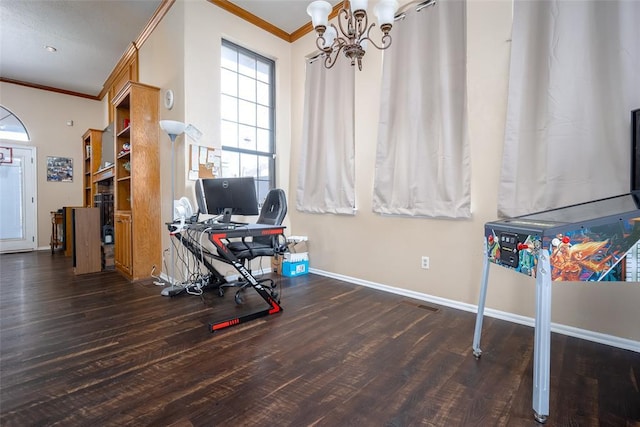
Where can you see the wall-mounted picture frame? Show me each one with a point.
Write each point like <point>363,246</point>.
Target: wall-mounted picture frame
<point>635,150</point>
<point>6,155</point>
<point>59,169</point>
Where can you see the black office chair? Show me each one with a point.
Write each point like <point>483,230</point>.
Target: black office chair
<point>273,212</point>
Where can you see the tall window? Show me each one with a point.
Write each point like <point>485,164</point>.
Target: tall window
<point>247,116</point>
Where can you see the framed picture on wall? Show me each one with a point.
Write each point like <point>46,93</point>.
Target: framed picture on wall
<point>6,155</point>
<point>635,150</point>
<point>59,169</point>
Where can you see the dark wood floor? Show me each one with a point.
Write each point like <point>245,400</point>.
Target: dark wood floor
<point>95,350</point>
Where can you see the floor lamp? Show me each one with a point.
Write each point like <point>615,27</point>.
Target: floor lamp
<point>173,129</point>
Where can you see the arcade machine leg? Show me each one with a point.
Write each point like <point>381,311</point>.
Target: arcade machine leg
<point>483,296</point>
<point>542,339</point>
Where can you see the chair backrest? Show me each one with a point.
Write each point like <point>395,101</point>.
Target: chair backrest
<point>273,212</point>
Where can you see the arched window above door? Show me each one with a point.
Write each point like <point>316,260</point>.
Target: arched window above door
<point>11,126</point>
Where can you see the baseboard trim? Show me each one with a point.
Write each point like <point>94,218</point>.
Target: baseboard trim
<point>571,331</point>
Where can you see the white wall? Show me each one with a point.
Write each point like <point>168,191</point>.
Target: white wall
<point>45,115</point>
<point>183,54</point>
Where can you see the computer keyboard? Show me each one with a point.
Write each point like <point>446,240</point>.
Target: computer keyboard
<point>221,225</point>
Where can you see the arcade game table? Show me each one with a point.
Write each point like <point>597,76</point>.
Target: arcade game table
<point>583,242</point>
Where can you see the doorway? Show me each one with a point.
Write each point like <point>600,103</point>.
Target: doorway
<point>18,195</point>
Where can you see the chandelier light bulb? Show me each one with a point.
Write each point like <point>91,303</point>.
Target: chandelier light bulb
<point>385,11</point>
<point>330,36</point>
<point>358,5</point>
<point>319,12</point>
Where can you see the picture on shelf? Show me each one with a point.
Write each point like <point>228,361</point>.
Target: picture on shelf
<point>59,169</point>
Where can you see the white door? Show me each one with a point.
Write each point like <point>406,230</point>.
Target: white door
<point>18,200</point>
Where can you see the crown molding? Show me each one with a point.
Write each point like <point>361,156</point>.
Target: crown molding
<point>132,51</point>
<point>50,89</point>
<point>268,27</point>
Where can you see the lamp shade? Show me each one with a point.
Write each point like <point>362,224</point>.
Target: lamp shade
<point>172,127</point>
<point>329,36</point>
<point>385,11</point>
<point>319,11</point>
<point>358,5</point>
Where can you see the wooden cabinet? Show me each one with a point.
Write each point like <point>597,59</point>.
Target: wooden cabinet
<point>138,239</point>
<point>86,240</point>
<point>92,152</point>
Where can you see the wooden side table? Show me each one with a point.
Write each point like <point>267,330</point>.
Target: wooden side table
<point>56,230</point>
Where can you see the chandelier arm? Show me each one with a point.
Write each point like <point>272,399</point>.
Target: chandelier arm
<point>347,19</point>
<point>322,47</point>
<point>331,58</point>
<point>384,39</point>
<point>362,27</point>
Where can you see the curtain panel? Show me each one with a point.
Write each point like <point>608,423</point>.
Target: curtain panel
<point>422,159</point>
<point>574,78</point>
<point>326,176</point>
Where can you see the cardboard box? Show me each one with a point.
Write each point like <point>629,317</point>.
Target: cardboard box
<point>276,263</point>
<point>293,269</point>
<point>297,244</point>
<point>296,257</point>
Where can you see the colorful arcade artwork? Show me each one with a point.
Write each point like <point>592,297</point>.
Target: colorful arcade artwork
<point>584,254</point>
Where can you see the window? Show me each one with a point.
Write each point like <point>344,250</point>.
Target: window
<point>11,127</point>
<point>247,116</point>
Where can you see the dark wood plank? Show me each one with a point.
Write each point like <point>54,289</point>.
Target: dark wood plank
<point>98,350</point>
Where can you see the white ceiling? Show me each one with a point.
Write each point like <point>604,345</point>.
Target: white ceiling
<point>91,36</point>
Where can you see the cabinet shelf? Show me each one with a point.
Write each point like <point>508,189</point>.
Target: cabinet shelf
<point>92,150</point>
<point>103,174</point>
<point>124,132</point>
<point>124,178</point>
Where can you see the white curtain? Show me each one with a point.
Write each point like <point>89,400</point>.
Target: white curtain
<point>326,176</point>
<point>574,78</point>
<point>422,159</point>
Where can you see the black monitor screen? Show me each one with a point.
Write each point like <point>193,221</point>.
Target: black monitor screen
<point>227,196</point>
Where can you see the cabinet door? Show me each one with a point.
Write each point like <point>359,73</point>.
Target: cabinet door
<point>122,250</point>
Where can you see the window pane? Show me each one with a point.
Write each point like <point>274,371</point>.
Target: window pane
<point>230,164</point>
<point>247,138</point>
<point>229,108</point>
<point>229,58</point>
<point>263,189</point>
<point>263,167</point>
<point>263,142</point>
<point>229,82</point>
<point>247,88</point>
<point>263,94</point>
<point>264,72</point>
<point>247,112</point>
<point>248,164</point>
<point>229,133</point>
<point>263,117</point>
<point>246,65</point>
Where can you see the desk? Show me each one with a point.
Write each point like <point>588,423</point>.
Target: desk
<point>218,238</point>
<point>584,242</point>
<point>56,230</point>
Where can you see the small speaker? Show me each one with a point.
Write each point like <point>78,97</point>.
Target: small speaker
<point>635,150</point>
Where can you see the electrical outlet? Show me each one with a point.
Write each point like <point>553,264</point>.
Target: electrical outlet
<point>425,262</point>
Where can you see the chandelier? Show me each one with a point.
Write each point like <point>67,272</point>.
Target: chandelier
<point>354,26</point>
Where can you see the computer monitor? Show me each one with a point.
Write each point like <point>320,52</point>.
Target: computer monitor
<point>224,197</point>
